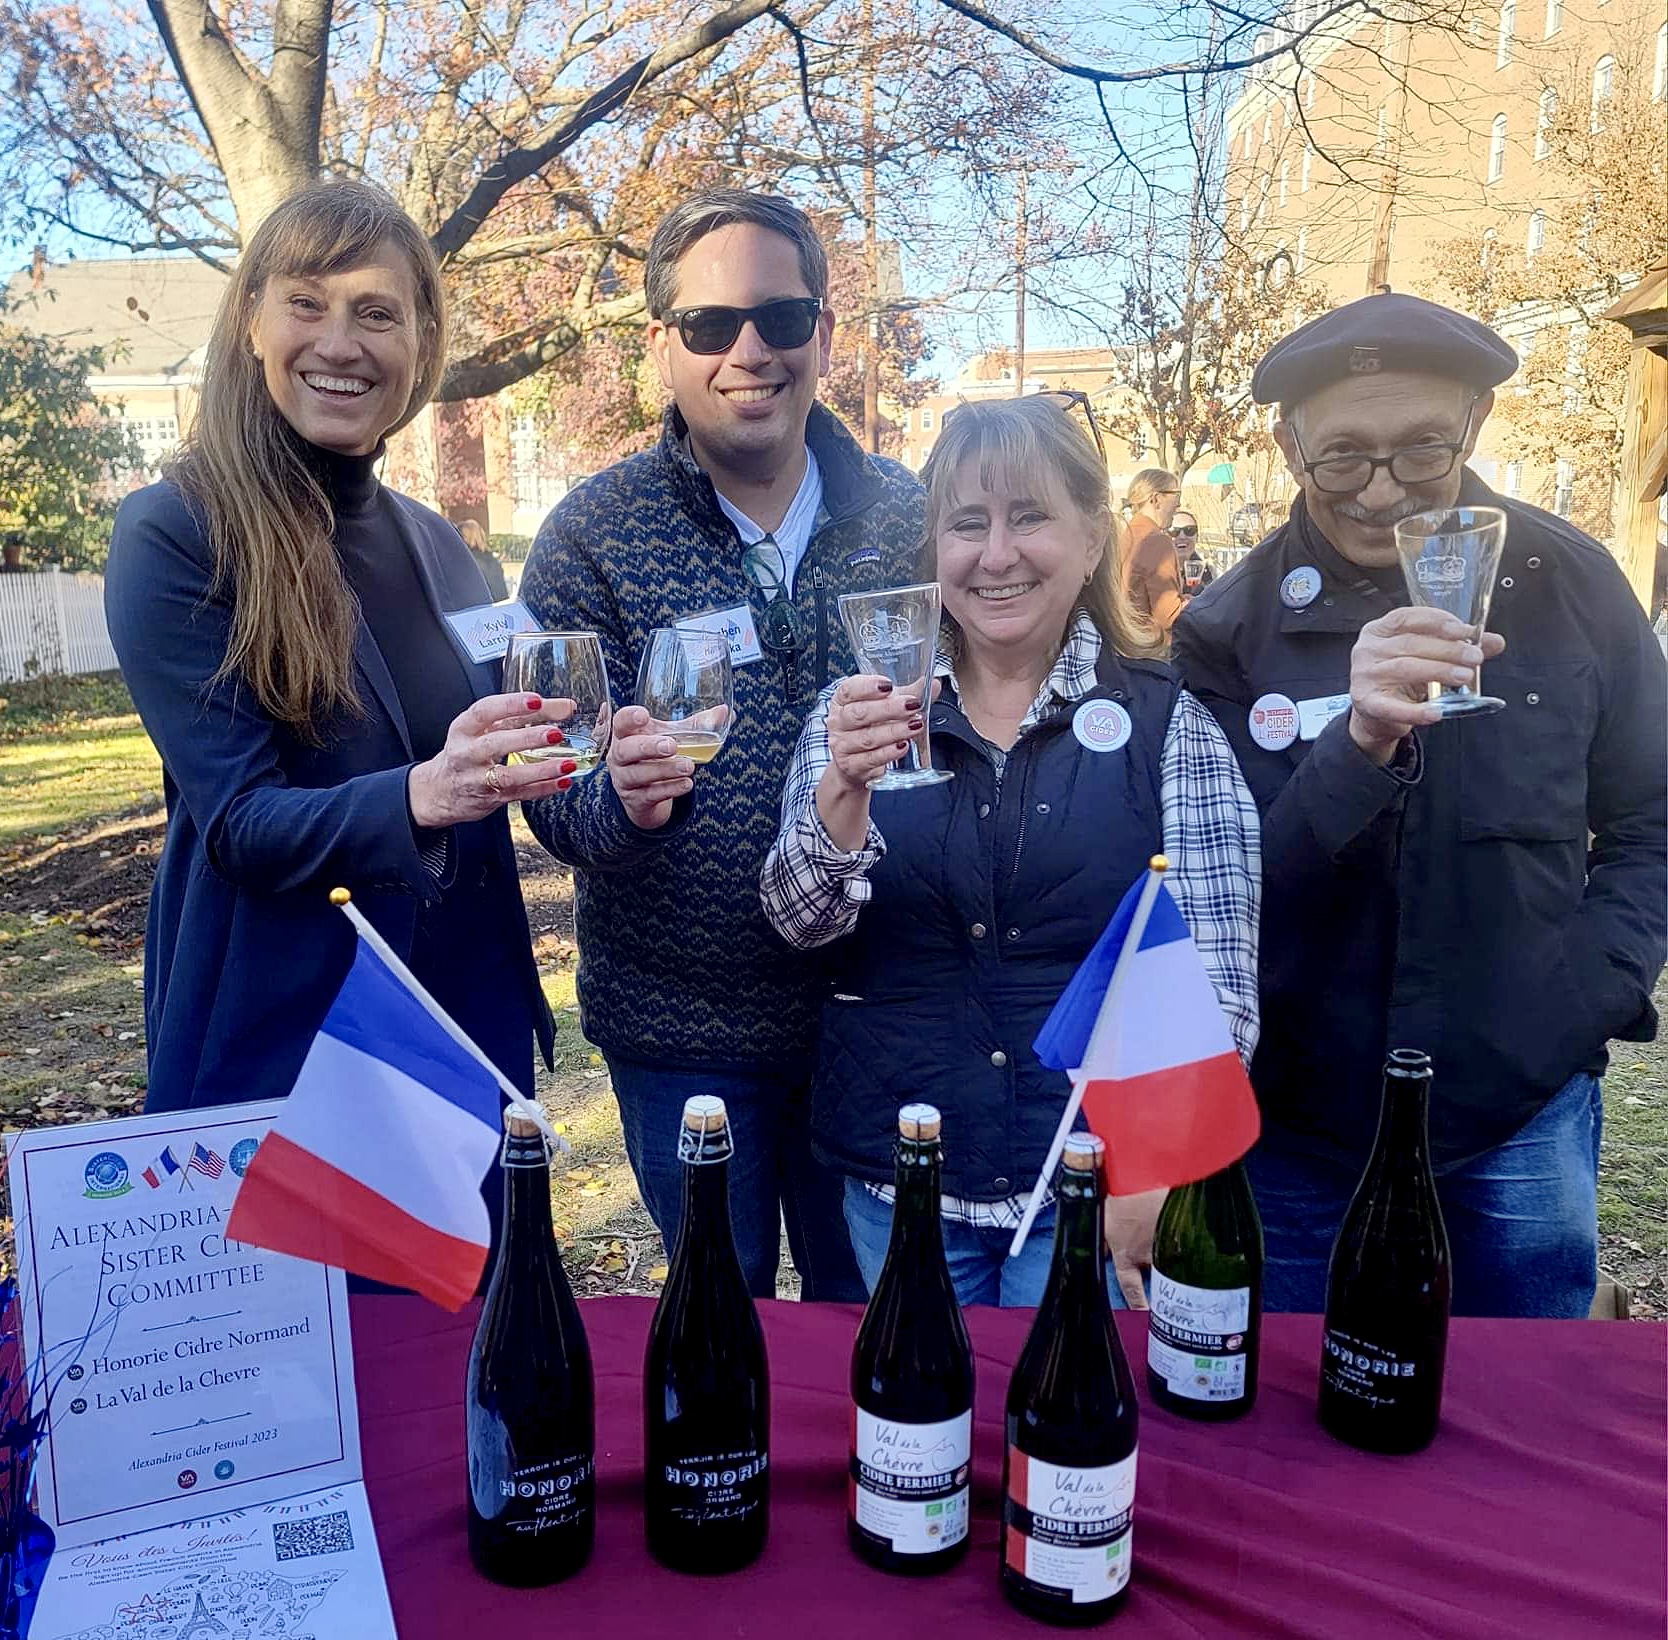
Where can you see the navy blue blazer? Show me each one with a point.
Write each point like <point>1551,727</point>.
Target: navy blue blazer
<point>243,952</point>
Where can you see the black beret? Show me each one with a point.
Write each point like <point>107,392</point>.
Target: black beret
<point>1384,332</point>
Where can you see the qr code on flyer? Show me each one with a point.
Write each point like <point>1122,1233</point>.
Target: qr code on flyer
<point>324,1535</point>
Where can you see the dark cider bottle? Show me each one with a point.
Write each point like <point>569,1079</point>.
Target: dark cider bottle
<point>912,1382</point>
<point>1390,1283</point>
<point>1068,1481</point>
<point>1207,1298</point>
<point>529,1406</point>
<point>706,1384</point>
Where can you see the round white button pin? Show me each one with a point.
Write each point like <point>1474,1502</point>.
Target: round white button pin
<point>1301,587</point>
<point>1101,725</point>
<point>1273,722</point>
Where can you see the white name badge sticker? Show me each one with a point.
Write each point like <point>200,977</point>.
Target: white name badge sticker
<point>1273,722</point>
<point>1314,715</point>
<point>736,625</point>
<point>485,631</point>
<point>1101,725</point>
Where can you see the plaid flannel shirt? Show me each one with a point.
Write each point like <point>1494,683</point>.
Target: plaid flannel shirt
<point>813,891</point>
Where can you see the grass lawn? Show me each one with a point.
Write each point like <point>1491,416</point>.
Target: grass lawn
<point>70,748</point>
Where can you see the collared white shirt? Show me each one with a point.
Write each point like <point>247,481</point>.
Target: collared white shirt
<point>793,535</point>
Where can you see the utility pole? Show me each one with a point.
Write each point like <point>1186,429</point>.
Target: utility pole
<point>871,244</point>
<point>1019,283</point>
<point>1389,182</point>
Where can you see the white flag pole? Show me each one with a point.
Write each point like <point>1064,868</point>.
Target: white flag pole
<point>1156,867</point>
<point>530,1109</point>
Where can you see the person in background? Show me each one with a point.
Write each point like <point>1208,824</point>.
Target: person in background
<point>1493,891</point>
<point>11,555</point>
<point>751,516</point>
<point>492,572</point>
<point>956,915</point>
<point>1151,577</point>
<point>281,621</point>
<point>1195,573</point>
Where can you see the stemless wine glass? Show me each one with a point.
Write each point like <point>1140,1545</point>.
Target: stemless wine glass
<point>557,666</point>
<point>1449,558</point>
<point>686,686</point>
<point>895,634</point>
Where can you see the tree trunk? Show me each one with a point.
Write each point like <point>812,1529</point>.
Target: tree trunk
<point>265,129</point>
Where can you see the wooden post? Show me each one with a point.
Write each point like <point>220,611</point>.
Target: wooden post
<point>1644,468</point>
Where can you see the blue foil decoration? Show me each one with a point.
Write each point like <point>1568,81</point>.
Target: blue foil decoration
<point>26,1541</point>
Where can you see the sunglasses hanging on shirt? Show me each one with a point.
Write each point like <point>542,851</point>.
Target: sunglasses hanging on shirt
<point>781,627</point>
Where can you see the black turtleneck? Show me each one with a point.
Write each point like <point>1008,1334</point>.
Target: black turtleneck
<point>428,673</point>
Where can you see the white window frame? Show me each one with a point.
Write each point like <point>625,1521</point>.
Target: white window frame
<point>1497,148</point>
<point>1504,40</point>
<point>1546,113</point>
<point>1604,86</point>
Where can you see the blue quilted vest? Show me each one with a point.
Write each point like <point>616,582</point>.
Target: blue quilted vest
<point>986,901</point>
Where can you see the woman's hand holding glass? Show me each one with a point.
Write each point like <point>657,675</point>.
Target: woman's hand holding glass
<point>466,779</point>
<point>870,724</point>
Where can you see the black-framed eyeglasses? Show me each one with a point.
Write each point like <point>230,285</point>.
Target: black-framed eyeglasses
<point>781,626</point>
<point>790,321</point>
<point>1416,464</point>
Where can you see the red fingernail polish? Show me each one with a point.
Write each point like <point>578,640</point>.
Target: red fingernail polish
<point>903,745</point>
<point>915,726</point>
<point>563,784</point>
<point>568,765</point>
<point>534,703</point>
<point>554,737</point>
<point>912,706</point>
<point>885,688</point>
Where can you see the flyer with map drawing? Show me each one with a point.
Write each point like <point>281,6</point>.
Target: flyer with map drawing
<point>187,1372</point>
<point>304,1568</point>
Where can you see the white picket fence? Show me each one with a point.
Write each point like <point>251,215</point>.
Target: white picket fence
<point>52,622</point>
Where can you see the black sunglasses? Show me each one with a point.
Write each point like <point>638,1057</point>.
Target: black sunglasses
<point>782,628</point>
<point>790,321</point>
<point>1184,529</point>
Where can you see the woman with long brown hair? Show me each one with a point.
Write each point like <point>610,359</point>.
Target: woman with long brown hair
<point>282,622</point>
<point>957,913</point>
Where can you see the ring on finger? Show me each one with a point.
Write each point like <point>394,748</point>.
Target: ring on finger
<point>493,776</point>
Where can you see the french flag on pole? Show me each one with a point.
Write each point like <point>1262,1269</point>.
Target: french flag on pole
<point>375,1162</point>
<point>1142,1034</point>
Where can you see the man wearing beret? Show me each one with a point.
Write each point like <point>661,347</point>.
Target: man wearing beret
<point>1492,889</point>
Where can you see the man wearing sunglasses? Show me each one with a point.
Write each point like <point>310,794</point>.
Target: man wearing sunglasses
<point>1491,890</point>
<point>754,512</point>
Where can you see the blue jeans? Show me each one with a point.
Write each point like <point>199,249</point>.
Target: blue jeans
<point>773,1175</point>
<point>980,1270</point>
<point>1522,1218</point>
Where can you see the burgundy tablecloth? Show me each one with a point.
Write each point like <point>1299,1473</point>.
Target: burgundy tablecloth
<point>1539,1511</point>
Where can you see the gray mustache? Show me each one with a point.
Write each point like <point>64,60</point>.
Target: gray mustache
<point>1381,517</point>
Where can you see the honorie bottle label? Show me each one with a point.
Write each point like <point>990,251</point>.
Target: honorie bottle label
<point>717,1486</point>
<point>910,1482</point>
<point>1196,1338</point>
<point>538,1497</point>
<point>1371,1373</point>
<point>1071,1530</point>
